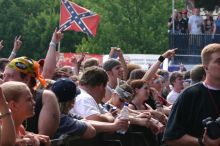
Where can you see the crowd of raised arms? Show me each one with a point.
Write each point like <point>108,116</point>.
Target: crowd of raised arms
<point>40,102</point>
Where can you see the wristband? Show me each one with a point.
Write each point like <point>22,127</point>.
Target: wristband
<point>161,59</point>
<point>13,53</point>
<point>5,114</point>
<point>200,142</point>
<point>52,44</point>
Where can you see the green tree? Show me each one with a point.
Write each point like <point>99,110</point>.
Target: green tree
<point>207,4</point>
<point>137,26</point>
<point>11,23</point>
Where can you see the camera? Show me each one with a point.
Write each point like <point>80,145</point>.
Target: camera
<point>213,127</point>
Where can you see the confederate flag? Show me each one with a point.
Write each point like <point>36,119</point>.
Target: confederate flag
<point>77,18</point>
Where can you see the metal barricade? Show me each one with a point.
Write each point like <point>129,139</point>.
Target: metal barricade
<point>190,46</point>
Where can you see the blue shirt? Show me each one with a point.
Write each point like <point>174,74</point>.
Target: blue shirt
<point>217,23</point>
<point>70,125</point>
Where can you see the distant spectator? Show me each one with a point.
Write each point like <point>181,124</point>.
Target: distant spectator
<point>216,30</point>
<point>136,74</point>
<point>179,19</point>
<point>63,72</point>
<point>208,24</point>
<point>90,62</point>
<point>182,68</point>
<point>184,22</point>
<point>75,79</point>
<point>176,80</point>
<point>165,81</point>
<point>187,79</point>
<point>195,23</point>
<point>132,67</point>
<point>197,74</point>
<point>173,19</point>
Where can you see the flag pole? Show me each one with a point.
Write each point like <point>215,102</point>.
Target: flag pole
<point>59,28</point>
<point>173,6</point>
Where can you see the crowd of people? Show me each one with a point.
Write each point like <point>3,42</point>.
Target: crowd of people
<point>40,102</point>
<point>194,24</point>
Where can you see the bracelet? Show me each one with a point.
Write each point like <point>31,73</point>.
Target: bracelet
<point>200,142</point>
<point>161,59</point>
<point>52,44</point>
<point>13,53</point>
<point>5,114</point>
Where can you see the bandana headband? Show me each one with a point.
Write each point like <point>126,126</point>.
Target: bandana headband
<point>27,66</point>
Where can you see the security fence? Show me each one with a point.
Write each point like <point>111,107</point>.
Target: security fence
<point>190,46</point>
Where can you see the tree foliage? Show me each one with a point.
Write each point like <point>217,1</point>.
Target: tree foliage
<point>137,26</point>
<point>207,4</point>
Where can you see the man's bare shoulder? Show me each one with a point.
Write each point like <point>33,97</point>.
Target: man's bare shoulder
<point>48,96</point>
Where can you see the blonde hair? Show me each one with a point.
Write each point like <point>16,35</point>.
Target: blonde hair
<point>208,51</point>
<point>12,90</point>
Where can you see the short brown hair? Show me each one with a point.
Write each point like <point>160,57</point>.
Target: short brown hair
<point>94,76</point>
<point>132,67</point>
<point>136,74</point>
<point>174,76</point>
<point>90,62</point>
<point>208,51</point>
<point>138,84</point>
<point>197,73</point>
<point>12,90</point>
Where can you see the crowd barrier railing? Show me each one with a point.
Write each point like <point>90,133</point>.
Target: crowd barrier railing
<point>131,138</point>
<point>190,46</point>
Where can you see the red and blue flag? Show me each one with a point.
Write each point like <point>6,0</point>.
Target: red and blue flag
<point>77,18</point>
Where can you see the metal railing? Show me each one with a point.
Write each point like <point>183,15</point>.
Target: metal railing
<point>190,46</point>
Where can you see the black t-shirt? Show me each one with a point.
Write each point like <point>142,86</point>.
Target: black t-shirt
<point>176,24</point>
<point>31,124</point>
<point>192,106</point>
<point>183,25</point>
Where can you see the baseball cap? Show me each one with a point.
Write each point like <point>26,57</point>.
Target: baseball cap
<point>65,89</point>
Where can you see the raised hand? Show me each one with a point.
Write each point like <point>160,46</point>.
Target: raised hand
<point>169,53</point>
<point>57,36</point>
<point>82,57</point>
<point>17,43</point>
